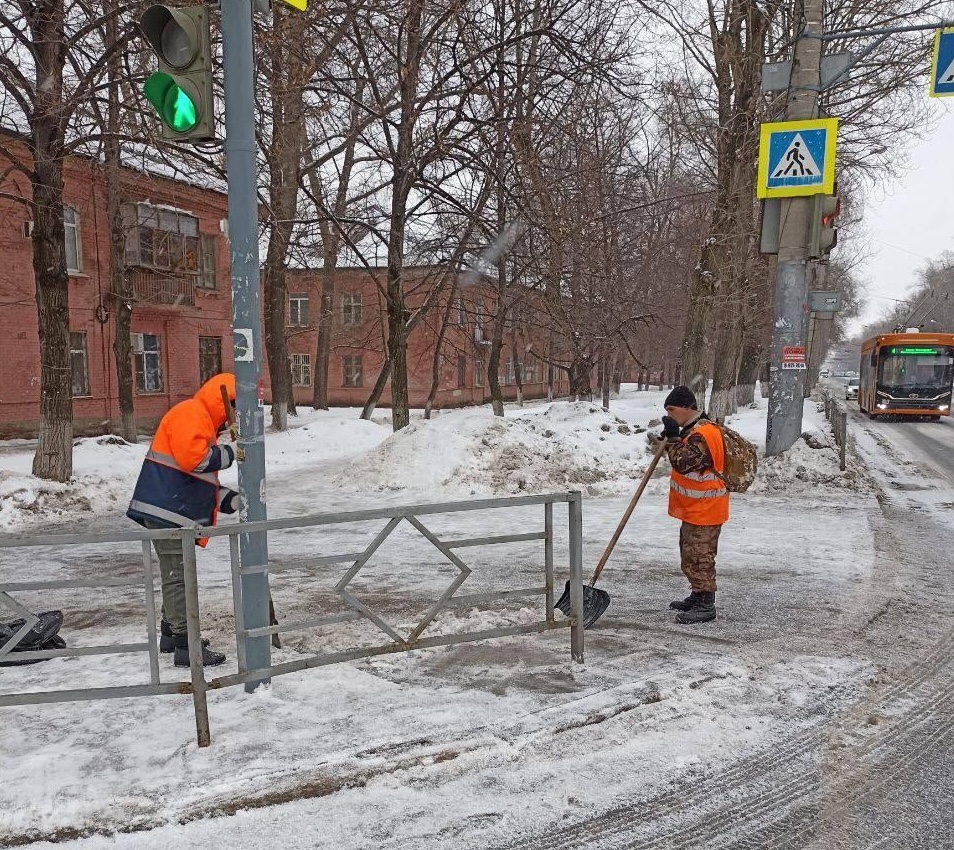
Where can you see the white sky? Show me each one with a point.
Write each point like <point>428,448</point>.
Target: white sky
<point>908,221</point>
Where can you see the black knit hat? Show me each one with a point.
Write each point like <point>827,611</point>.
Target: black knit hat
<point>681,397</point>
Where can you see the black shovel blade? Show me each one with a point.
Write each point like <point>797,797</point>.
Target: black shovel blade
<point>595,603</point>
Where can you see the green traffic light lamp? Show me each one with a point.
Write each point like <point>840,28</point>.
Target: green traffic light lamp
<point>175,106</point>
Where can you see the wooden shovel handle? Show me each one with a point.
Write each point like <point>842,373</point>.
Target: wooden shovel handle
<point>229,413</point>
<point>629,511</point>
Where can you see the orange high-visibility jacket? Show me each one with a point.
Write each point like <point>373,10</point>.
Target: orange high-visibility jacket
<point>700,498</point>
<point>179,481</point>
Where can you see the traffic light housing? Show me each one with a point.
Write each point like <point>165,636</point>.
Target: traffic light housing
<point>824,235</point>
<point>181,90</point>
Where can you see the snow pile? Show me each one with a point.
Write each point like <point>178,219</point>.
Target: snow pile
<point>560,446</point>
<point>104,473</point>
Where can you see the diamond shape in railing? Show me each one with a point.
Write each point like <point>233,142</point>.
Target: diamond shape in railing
<point>358,605</point>
<point>30,620</point>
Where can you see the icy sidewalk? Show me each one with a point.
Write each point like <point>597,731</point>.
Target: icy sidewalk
<point>471,744</point>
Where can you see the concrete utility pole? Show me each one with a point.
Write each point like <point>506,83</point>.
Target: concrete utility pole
<point>238,65</point>
<point>786,394</point>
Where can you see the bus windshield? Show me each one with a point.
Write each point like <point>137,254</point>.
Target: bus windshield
<point>907,369</point>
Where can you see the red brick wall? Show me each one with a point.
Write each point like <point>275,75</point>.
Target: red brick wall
<point>179,326</point>
<point>366,340</point>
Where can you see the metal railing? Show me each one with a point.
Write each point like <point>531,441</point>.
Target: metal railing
<point>837,414</point>
<point>343,590</point>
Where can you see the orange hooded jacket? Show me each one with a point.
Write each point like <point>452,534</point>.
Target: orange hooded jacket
<point>179,481</point>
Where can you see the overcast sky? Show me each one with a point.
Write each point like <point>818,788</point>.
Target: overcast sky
<point>911,220</point>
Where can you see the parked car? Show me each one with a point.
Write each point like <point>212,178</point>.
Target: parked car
<point>851,389</point>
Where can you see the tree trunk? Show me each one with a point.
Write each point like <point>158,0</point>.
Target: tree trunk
<point>382,381</point>
<point>748,372</point>
<point>438,347</point>
<point>493,363</point>
<point>54,451</point>
<point>284,163</point>
<point>325,325</point>
<point>121,291</point>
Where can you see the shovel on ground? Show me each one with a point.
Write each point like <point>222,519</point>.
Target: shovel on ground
<point>596,601</point>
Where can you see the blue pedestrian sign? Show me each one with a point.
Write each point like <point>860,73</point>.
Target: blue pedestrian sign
<point>797,158</point>
<point>942,70</point>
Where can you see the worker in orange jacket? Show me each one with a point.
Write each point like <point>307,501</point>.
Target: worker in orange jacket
<point>697,496</point>
<point>179,486</point>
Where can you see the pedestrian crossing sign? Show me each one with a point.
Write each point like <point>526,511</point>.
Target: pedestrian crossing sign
<point>942,69</point>
<point>797,158</point>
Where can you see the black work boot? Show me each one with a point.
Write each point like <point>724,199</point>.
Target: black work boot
<point>167,640</point>
<point>684,604</point>
<point>702,610</point>
<point>209,657</point>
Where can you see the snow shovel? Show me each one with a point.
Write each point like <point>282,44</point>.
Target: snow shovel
<point>596,601</point>
<point>230,413</point>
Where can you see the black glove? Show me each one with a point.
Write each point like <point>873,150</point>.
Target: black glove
<point>671,429</point>
<point>228,455</point>
<point>230,502</point>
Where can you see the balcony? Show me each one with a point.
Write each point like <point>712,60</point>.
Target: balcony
<point>155,287</point>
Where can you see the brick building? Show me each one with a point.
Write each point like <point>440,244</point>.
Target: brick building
<point>177,259</point>
<point>359,330</point>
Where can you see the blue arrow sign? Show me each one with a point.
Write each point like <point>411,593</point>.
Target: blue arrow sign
<point>942,72</point>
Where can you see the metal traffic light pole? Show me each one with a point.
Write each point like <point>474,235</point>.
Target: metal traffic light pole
<point>786,386</point>
<point>240,149</point>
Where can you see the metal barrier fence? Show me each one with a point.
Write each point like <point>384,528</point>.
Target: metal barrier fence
<point>199,686</point>
<point>837,414</point>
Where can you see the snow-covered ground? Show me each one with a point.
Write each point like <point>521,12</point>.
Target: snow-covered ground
<point>465,746</point>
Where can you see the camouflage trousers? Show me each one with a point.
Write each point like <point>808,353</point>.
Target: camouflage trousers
<point>698,545</point>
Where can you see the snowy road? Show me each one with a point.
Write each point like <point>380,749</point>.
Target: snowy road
<point>817,712</point>
<point>874,774</point>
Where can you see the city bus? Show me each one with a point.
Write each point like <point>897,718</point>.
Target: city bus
<point>907,375</point>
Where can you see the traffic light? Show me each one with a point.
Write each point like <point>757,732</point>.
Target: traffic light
<point>181,91</point>
<point>824,236</point>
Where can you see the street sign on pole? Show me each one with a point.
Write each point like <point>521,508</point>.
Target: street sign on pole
<point>942,69</point>
<point>797,158</point>
<point>824,302</point>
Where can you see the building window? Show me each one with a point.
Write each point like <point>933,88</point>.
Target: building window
<point>209,248</point>
<point>80,363</point>
<point>529,369</point>
<point>351,308</point>
<point>298,309</point>
<point>461,311</point>
<point>147,361</point>
<point>162,238</point>
<point>479,322</point>
<point>509,374</point>
<point>210,357</point>
<point>301,370</point>
<point>352,370</point>
<point>74,249</point>
<point>461,371</point>
<point>478,372</point>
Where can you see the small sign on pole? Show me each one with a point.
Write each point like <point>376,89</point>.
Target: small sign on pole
<point>793,357</point>
<point>824,302</point>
